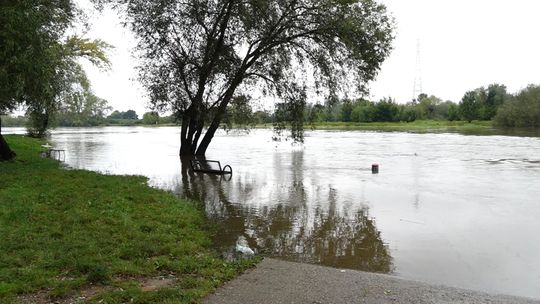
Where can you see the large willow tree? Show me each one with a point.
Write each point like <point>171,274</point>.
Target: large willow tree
<point>197,55</point>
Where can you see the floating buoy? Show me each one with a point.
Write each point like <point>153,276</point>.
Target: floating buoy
<point>375,168</point>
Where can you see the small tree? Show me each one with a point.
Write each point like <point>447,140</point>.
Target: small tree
<point>496,97</point>
<point>130,114</point>
<point>468,107</point>
<point>198,55</point>
<point>150,118</point>
<point>453,112</point>
<point>522,110</point>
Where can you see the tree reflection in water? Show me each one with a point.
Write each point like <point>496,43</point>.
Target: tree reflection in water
<point>307,228</point>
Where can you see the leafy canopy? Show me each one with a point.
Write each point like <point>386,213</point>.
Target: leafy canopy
<point>197,55</point>
<point>38,59</point>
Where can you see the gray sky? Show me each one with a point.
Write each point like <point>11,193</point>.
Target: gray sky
<point>463,45</point>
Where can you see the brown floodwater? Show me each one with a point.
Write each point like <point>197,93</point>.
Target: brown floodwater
<point>449,209</point>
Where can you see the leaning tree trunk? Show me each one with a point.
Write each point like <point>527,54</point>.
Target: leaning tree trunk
<point>192,127</point>
<point>221,110</point>
<point>5,150</point>
<point>193,124</point>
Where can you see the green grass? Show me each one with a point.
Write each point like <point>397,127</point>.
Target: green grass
<point>415,126</point>
<point>64,230</point>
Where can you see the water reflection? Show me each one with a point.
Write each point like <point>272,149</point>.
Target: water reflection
<point>291,229</point>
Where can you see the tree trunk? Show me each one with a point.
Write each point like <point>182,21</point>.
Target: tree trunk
<point>5,150</point>
<point>192,128</point>
<point>193,123</point>
<point>209,135</point>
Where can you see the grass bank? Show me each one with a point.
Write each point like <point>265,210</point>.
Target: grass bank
<point>425,126</point>
<point>66,231</point>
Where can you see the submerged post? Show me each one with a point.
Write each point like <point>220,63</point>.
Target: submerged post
<point>375,168</point>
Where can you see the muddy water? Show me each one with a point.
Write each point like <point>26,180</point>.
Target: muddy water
<point>445,208</point>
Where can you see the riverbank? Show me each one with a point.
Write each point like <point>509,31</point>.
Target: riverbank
<point>278,282</point>
<point>419,126</point>
<point>77,235</point>
<point>424,126</point>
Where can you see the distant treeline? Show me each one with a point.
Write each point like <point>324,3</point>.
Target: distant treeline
<point>116,118</point>
<point>485,103</point>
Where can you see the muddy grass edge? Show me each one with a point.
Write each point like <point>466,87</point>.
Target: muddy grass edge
<point>65,232</point>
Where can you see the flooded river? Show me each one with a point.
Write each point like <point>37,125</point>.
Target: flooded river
<point>445,208</point>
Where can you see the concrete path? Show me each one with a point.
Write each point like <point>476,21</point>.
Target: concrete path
<point>279,282</point>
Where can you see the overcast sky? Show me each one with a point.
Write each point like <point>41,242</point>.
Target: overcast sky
<point>464,44</point>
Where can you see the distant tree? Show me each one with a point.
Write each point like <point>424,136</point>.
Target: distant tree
<point>198,55</point>
<point>127,115</point>
<point>522,110</point>
<point>420,97</point>
<point>315,113</point>
<point>150,118</point>
<point>239,112</point>
<point>486,101</point>
<point>12,121</point>
<point>80,107</point>
<point>387,110</point>
<point>364,111</point>
<point>130,114</point>
<point>453,112</point>
<point>346,110</point>
<point>496,97</point>
<point>427,106</point>
<point>262,117</point>
<point>116,115</point>
<point>408,112</point>
<point>469,106</point>
<point>171,119</point>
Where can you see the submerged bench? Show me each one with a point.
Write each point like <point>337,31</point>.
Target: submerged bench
<point>51,152</point>
<point>210,166</point>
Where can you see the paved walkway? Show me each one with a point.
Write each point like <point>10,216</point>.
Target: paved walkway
<point>279,282</point>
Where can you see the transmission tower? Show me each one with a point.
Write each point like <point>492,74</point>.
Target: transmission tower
<point>417,88</point>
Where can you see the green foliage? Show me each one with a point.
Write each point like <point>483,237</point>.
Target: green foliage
<point>469,106</point>
<point>129,114</point>
<point>30,49</point>
<point>196,56</point>
<point>37,59</point>
<point>453,112</point>
<point>262,117</point>
<point>496,97</point>
<point>364,111</point>
<point>387,110</point>
<point>482,103</point>
<point>239,113</point>
<point>426,106</point>
<point>522,110</point>
<point>408,113</point>
<point>92,50</point>
<point>12,121</point>
<point>420,126</point>
<point>80,107</point>
<point>150,118</point>
<point>289,116</point>
<point>63,229</point>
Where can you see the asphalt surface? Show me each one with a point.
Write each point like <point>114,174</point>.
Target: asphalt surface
<point>279,282</point>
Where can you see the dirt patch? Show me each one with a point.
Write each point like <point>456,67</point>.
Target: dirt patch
<point>91,291</point>
<point>156,283</point>
<point>42,297</point>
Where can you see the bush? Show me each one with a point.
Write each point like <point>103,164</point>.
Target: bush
<point>523,110</point>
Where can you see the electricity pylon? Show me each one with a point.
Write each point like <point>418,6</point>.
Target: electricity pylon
<point>417,88</point>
